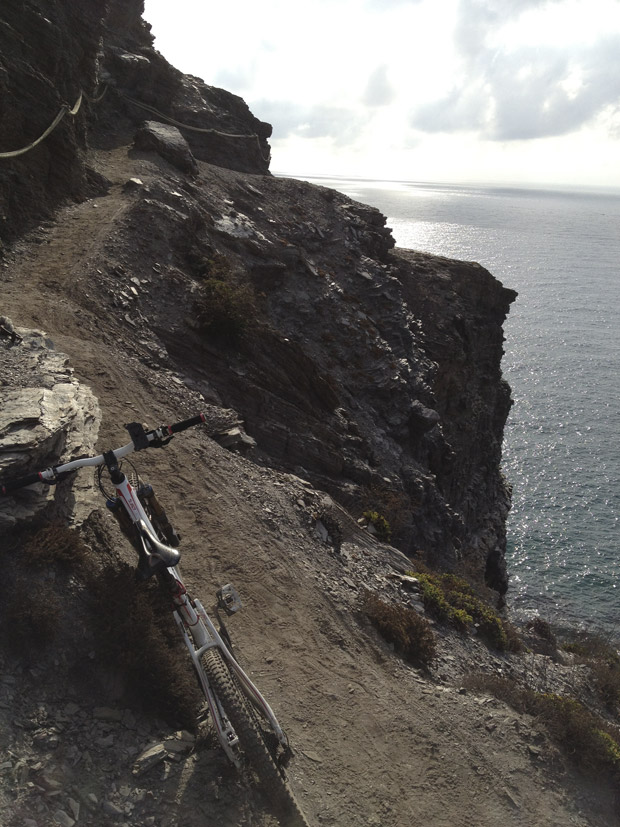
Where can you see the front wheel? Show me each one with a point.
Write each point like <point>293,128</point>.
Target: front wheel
<point>251,740</point>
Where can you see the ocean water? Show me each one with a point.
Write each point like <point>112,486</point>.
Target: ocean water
<point>560,250</point>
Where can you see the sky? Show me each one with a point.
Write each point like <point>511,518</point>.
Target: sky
<point>497,91</point>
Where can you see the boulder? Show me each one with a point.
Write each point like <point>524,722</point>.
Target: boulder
<point>168,142</point>
<point>46,416</point>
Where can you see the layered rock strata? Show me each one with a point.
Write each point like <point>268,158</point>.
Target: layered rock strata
<point>46,416</point>
<point>373,372</point>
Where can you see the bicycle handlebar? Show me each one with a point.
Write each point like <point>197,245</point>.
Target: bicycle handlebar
<point>21,482</point>
<point>185,424</point>
<point>150,439</point>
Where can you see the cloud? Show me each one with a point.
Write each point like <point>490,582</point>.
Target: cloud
<point>379,90</point>
<point>476,19</point>
<point>342,125</point>
<point>522,92</point>
<point>382,5</point>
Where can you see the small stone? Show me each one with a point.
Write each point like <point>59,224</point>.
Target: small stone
<point>129,719</point>
<point>321,531</point>
<point>112,809</point>
<point>105,742</point>
<point>75,807</point>
<point>91,801</point>
<point>71,709</point>
<point>133,184</point>
<point>46,740</point>
<point>147,759</point>
<point>511,799</point>
<point>62,818</point>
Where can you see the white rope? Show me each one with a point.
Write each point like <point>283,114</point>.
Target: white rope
<point>253,136</point>
<point>63,111</point>
<point>98,97</point>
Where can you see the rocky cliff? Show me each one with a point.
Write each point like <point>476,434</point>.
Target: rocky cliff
<point>53,52</point>
<point>152,270</point>
<point>374,373</point>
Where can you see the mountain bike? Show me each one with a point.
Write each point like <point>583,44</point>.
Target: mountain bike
<point>244,723</point>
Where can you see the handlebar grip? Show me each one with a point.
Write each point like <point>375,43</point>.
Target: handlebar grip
<point>186,423</point>
<point>22,482</point>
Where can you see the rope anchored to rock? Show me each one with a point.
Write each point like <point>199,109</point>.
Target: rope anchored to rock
<point>252,136</point>
<point>65,110</point>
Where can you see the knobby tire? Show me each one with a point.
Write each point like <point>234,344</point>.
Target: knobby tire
<point>251,741</point>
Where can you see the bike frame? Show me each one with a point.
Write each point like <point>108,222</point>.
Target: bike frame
<point>199,634</point>
<point>196,627</point>
<point>231,697</point>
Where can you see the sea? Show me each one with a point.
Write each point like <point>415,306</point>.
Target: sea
<point>560,249</point>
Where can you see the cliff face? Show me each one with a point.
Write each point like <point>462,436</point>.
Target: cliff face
<point>52,51</point>
<point>172,273</point>
<point>48,52</point>
<point>373,373</point>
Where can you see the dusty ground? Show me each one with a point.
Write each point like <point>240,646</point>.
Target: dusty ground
<point>377,742</point>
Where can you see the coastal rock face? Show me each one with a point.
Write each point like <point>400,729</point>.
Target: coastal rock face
<point>462,309</point>
<point>45,415</point>
<point>49,53</point>
<point>373,373</point>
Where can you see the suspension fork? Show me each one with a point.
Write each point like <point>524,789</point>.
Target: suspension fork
<point>200,634</point>
<point>196,639</point>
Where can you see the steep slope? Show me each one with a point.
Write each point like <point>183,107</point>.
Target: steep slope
<point>369,379</point>
<point>338,373</point>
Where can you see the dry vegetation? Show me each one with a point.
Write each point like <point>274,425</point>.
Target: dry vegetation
<point>130,622</point>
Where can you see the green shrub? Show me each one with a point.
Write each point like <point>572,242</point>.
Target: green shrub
<point>450,599</point>
<point>135,633</point>
<point>224,310</point>
<point>542,629</point>
<point>216,267</point>
<point>590,741</point>
<point>601,655</point>
<point>392,504</point>
<point>403,627</point>
<point>36,628</point>
<point>380,525</point>
<point>610,746</point>
<point>132,624</point>
<point>31,606</point>
<point>55,544</point>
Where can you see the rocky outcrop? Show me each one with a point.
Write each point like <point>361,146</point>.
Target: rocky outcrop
<point>168,142</point>
<point>49,53</point>
<point>45,415</point>
<point>371,372</point>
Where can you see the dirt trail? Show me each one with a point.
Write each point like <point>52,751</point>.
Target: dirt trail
<point>377,742</point>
